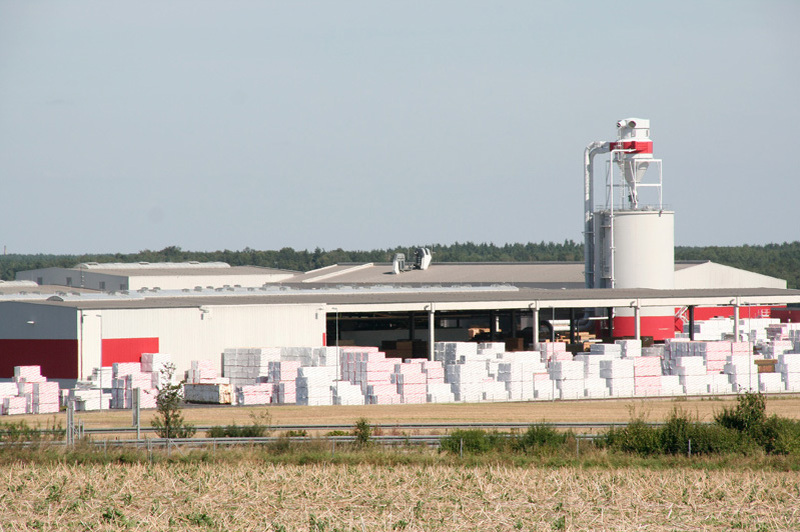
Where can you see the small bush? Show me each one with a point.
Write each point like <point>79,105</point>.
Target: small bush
<point>637,437</point>
<point>260,427</point>
<point>362,432</point>
<point>473,441</point>
<point>540,437</point>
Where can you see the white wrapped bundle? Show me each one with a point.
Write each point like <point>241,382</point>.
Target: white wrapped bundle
<point>595,388</point>
<point>791,381</point>
<point>452,352</point>
<point>606,349</point>
<point>120,369</point>
<point>566,369</point>
<point>384,399</point>
<point>630,348</point>
<point>470,371</point>
<point>14,406</point>
<point>491,349</point>
<point>591,363</point>
<point>689,366</point>
<point>646,366</point>
<point>719,384</point>
<point>520,390</point>
<point>621,368</point>
<point>345,393</point>
<point>138,380</point>
<point>770,383</point>
<point>560,356</point>
<point>255,394</point>
<point>543,387</point>
<point>155,362</point>
<point>570,388</point>
<point>414,399</point>
<point>8,389</point>
<point>741,348</point>
<point>283,370</point>
<point>695,384</point>
<point>102,377</point>
<point>621,387</point>
<point>440,393</point>
<point>208,393</point>
<point>412,389</point>
<point>286,392</point>
<point>495,392</point>
<point>647,385</point>
<point>28,373</point>
<point>671,385</point>
<point>788,363</point>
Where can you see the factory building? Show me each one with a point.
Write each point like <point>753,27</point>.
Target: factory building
<point>71,320</point>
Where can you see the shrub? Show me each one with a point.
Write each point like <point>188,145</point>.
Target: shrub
<point>539,437</point>
<point>636,437</point>
<point>260,427</point>
<point>748,416</point>
<point>473,441</point>
<point>362,432</point>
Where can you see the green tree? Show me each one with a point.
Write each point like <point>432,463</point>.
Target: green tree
<point>169,422</point>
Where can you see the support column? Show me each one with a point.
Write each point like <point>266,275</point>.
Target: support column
<point>638,321</point>
<point>691,322</point>
<point>514,328</point>
<point>535,327</point>
<point>431,334</point>
<point>736,331</point>
<point>492,325</point>
<point>610,313</point>
<point>572,325</point>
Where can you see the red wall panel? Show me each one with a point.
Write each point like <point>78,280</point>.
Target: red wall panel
<point>127,349</point>
<point>659,327</point>
<point>58,358</point>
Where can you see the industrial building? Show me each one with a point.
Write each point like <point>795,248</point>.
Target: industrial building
<point>71,320</point>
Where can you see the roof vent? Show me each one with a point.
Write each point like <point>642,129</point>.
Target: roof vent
<point>422,260</point>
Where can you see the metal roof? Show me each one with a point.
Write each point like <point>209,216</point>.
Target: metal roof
<point>443,298</point>
<point>230,271</point>
<point>531,274</point>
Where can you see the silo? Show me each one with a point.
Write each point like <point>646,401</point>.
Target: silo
<point>630,241</point>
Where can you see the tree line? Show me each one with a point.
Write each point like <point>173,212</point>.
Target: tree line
<point>776,260</point>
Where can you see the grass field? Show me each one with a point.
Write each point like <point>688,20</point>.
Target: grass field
<point>251,489</point>
<point>250,496</point>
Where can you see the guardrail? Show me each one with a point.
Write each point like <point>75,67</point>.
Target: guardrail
<point>380,427</point>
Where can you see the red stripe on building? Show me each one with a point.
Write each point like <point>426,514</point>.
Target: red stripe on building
<point>127,349</point>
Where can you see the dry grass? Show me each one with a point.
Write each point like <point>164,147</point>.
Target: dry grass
<point>532,412</point>
<point>250,495</point>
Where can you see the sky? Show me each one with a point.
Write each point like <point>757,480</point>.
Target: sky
<point>368,124</point>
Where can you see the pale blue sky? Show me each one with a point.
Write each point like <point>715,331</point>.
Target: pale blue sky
<point>369,124</point>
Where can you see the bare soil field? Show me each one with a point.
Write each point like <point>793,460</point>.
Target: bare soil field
<point>250,496</point>
<point>612,410</point>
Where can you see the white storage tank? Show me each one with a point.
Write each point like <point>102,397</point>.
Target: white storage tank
<point>637,249</point>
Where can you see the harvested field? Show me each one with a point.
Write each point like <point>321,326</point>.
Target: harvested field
<point>534,412</point>
<point>253,496</point>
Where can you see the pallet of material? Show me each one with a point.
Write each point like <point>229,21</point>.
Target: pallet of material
<point>220,394</point>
